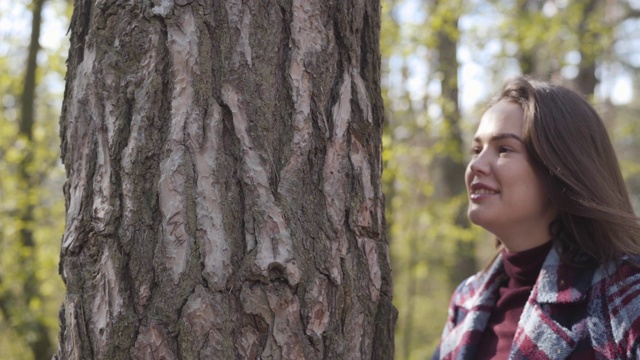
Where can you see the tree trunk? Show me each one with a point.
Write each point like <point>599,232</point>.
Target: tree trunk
<point>34,328</point>
<point>223,195</point>
<point>452,163</point>
<point>586,80</point>
<point>533,58</point>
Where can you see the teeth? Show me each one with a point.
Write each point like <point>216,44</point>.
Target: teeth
<point>484,191</point>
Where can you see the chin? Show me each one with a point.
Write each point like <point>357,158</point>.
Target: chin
<point>477,218</point>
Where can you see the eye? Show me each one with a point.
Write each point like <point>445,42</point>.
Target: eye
<point>504,149</point>
<point>475,150</point>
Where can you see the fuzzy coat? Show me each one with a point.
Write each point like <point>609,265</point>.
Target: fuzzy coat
<point>569,311</point>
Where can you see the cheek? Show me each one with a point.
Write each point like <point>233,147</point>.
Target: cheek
<point>541,194</point>
<point>529,186</point>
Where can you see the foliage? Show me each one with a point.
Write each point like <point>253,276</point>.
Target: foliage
<point>496,39</point>
<point>43,192</point>
<point>571,42</point>
<point>422,225</point>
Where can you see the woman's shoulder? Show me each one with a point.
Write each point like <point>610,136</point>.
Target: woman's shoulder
<point>615,300</point>
<point>617,284</point>
<point>622,275</point>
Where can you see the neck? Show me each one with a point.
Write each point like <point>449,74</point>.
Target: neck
<point>517,241</point>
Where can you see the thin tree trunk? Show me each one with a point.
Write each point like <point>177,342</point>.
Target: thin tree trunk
<point>534,59</point>
<point>33,328</point>
<point>452,165</point>
<point>411,294</point>
<point>223,196</point>
<point>586,80</point>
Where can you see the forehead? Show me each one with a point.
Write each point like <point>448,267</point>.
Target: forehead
<point>504,117</point>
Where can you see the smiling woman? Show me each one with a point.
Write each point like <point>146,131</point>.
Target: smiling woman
<point>506,197</point>
<point>544,179</point>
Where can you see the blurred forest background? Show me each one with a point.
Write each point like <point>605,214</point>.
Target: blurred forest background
<point>442,61</point>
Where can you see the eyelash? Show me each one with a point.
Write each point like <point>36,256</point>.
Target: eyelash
<point>501,149</point>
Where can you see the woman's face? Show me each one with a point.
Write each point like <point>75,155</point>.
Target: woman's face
<point>505,195</point>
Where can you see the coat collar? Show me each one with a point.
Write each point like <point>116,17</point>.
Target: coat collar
<point>538,331</point>
<point>482,286</point>
<point>556,284</point>
<point>559,283</point>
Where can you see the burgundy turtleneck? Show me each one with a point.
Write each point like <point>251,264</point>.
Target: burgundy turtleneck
<point>522,269</point>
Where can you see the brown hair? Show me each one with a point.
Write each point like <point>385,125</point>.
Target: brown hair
<point>570,150</point>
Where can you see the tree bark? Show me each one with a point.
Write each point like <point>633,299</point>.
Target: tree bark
<point>224,196</point>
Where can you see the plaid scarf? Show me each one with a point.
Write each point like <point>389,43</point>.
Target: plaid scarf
<point>570,311</point>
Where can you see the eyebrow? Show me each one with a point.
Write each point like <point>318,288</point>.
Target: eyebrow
<point>500,137</point>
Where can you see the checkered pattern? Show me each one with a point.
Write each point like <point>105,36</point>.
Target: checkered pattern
<point>571,313</point>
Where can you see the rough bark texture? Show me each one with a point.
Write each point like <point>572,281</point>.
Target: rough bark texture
<point>223,194</point>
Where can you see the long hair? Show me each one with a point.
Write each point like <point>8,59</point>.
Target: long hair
<point>570,151</point>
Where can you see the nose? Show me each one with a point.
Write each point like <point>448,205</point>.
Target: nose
<point>479,165</point>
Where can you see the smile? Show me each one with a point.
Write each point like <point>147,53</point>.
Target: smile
<point>483,192</point>
<point>479,188</point>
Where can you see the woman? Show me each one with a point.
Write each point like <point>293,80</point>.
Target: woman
<point>544,179</point>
